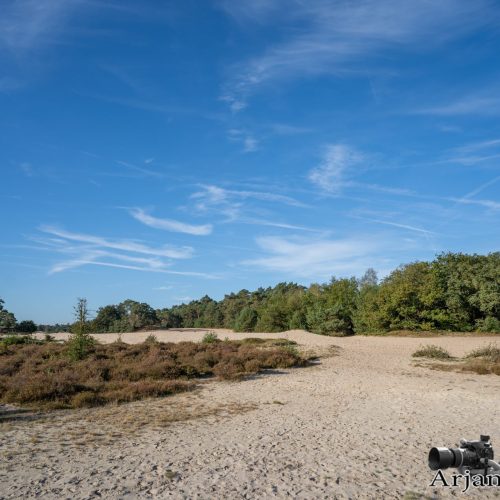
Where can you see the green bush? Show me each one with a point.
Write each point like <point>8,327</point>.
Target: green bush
<point>18,340</point>
<point>488,324</point>
<point>79,346</point>
<point>210,338</point>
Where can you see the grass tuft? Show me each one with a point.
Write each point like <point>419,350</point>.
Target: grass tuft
<point>432,352</point>
<point>483,361</point>
<point>490,352</point>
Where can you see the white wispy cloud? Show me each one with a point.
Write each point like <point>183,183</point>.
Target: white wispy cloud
<point>234,206</point>
<point>333,37</point>
<point>382,189</point>
<point>170,224</point>
<point>481,188</point>
<point>471,159</point>
<point>146,172</point>
<point>282,225</point>
<point>27,169</point>
<point>32,24</point>
<point>490,204</point>
<point>330,174</point>
<point>254,10</point>
<point>64,266</point>
<point>124,245</point>
<point>28,24</point>
<point>399,225</point>
<point>250,144</point>
<point>474,153</point>
<point>478,145</point>
<point>287,129</point>
<point>248,141</point>
<point>468,105</point>
<point>322,258</point>
<point>84,249</point>
<point>215,196</point>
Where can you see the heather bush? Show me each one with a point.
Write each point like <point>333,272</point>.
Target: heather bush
<point>43,375</point>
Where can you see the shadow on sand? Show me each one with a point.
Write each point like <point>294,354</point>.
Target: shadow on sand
<point>10,413</point>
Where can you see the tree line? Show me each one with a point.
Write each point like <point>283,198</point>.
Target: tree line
<point>8,322</point>
<point>454,292</point>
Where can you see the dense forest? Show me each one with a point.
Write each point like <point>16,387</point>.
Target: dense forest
<point>454,292</point>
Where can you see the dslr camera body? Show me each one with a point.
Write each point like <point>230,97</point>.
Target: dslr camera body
<point>474,456</point>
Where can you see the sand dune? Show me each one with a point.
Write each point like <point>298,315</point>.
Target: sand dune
<point>356,425</point>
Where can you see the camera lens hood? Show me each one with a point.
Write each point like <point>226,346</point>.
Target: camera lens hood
<point>442,458</point>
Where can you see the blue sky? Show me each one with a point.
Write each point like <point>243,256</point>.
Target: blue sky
<point>160,151</point>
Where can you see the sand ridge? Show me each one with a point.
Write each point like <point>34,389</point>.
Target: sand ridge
<point>355,425</point>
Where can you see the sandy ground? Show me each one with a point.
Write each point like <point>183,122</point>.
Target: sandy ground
<point>358,424</point>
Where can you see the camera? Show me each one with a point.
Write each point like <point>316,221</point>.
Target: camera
<point>470,455</point>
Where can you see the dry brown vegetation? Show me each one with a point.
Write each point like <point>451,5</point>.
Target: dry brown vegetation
<point>44,376</point>
<point>483,361</point>
<point>432,352</point>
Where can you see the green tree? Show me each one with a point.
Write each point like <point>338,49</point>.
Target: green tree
<point>26,326</point>
<point>7,319</point>
<point>365,318</point>
<point>81,342</point>
<point>168,318</point>
<point>246,320</point>
<point>332,307</point>
<point>106,318</point>
<point>406,298</point>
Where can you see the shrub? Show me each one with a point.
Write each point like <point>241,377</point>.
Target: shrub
<point>432,351</point>
<point>483,361</point>
<point>79,346</point>
<point>43,375</point>
<point>17,340</point>
<point>490,352</point>
<point>210,338</point>
<point>488,324</point>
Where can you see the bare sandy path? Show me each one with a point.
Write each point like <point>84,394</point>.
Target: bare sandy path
<point>357,425</point>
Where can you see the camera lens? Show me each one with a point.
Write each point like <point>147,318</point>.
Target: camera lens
<point>470,459</point>
<point>441,458</point>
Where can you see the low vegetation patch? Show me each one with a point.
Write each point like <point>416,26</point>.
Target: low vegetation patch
<point>491,353</point>
<point>432,352</point>
<point>17,340</point>
<point>210,338</point>
<point>483,361</point>
<point>49,375</point>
